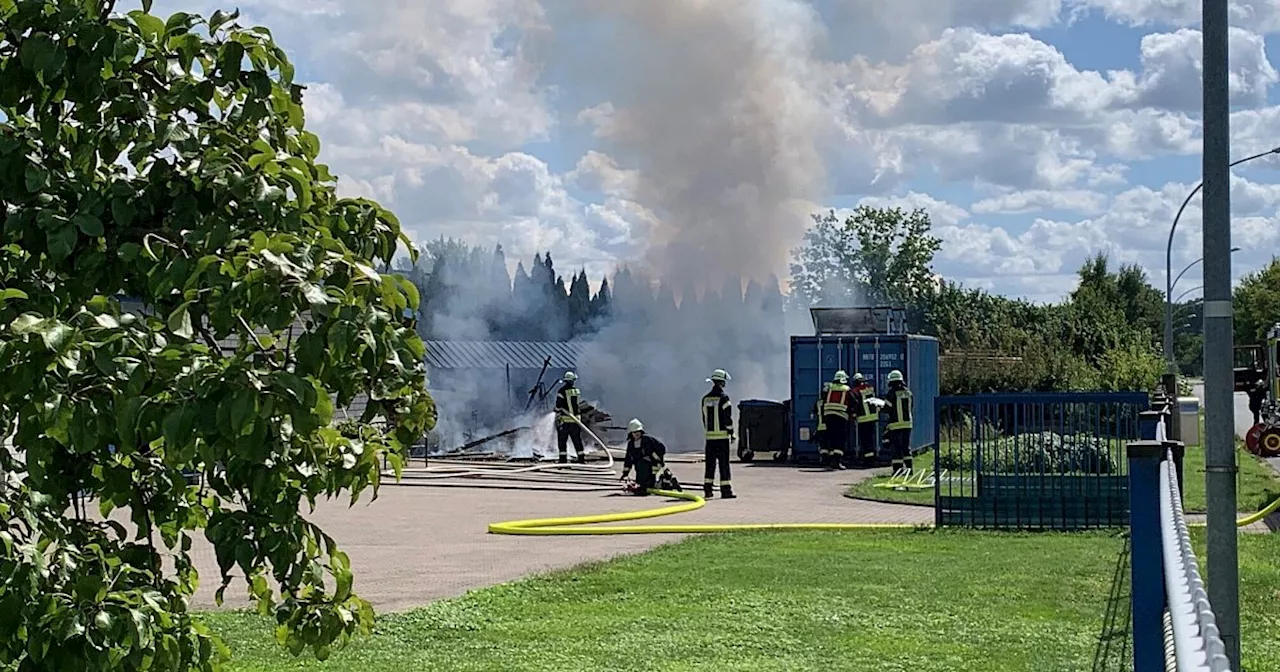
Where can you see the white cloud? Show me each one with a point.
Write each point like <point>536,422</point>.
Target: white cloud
<point>430,107</point>
<point>1259,15</point>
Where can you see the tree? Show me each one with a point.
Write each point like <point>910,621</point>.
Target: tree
<point>224,227</point>
<point>823,267</point>
<point>1257,304</point>
<point>877,256</point>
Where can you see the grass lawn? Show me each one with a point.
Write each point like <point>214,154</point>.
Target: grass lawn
<point>890,600</point>
<point>1257,485</point>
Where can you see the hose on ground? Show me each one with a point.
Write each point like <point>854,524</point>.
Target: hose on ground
<point>570,477</point>
<point>1255,517</point>
<point>593,524</point>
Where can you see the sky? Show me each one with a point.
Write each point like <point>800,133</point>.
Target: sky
<point>695,137</point>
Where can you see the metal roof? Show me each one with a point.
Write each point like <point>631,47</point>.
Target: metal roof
<point>500,354</point>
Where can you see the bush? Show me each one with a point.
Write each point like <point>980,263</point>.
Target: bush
<point>1043,452</point>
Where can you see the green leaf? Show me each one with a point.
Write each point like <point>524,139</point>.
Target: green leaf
<point>62,240</point>
<point>150,26</point>
<point>42,55</point>
<point>35,178</point>
<point>243,408</point>
<point>179,321</point>
<point>230,59</point>
<point>56,336</point>
<point>88,224</point>
<point>315,295</point>
<point>11,294</point>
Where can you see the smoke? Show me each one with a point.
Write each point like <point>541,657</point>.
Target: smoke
<point>712,104</point>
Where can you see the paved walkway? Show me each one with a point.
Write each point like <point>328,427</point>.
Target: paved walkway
<point>417,543</point>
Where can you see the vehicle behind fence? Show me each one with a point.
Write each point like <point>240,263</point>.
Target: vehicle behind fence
<point>1040,461</point>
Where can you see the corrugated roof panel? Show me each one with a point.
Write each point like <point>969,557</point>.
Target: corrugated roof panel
<point>500,354</point>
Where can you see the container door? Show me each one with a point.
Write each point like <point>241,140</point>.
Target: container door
<point>813,362</point>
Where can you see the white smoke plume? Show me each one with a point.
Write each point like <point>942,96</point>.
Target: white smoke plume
<point>712,104</point>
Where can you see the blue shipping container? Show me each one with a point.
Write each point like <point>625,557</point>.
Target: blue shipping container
<point>814,359</point>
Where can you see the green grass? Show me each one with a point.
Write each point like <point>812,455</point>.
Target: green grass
<point>1256,486</point>
<point>891,600</point>
<point>866,489</point>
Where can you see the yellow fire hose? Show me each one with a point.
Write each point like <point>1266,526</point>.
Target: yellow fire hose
<point>590,525</point>
<point>1255,517</point>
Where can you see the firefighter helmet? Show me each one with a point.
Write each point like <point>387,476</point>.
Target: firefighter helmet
<point>895,376</point>
<point>719,376</point>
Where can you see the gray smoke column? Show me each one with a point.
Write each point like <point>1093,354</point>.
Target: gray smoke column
<point>713,105</point>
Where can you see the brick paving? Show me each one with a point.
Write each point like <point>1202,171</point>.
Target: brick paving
<point>417,543</point>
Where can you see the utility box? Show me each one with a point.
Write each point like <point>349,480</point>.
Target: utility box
<point>880,347</point>
<point>1188,410</point>
<point>762,428</point>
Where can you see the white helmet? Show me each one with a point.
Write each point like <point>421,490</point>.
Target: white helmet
<point>719,376</point>
<point>635,426</point>
<point>895,376</point>
<point>570,376</point>
<point>841,377</point>
<point>859,377</point>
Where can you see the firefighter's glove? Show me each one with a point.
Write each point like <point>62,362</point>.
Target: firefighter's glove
<point>625,474</point>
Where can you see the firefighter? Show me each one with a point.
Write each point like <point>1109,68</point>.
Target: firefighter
<point>568,420</point>
<point>647,455</point>
<point>897,434</point>
<point>835,417</point>
<point>1257,394</point>
<point>867,416</point>
<point>717,428</point>
<point>820,432</point>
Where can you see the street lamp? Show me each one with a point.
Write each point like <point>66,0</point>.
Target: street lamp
<point>1188,267</point>
<point>1179,299</point>
<point>1168,262</point>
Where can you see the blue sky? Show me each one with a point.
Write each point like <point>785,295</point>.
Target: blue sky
<point>695,138</point>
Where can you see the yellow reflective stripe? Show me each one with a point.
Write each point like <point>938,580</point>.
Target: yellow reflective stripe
<point>902,411</point>
<point>868,413</point>
<point>717,435</point>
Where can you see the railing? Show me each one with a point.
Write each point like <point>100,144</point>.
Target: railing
<point>1173,623</point>
<point>1035,461</point>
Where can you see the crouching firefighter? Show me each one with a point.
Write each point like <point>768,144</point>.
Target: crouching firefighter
<point>717,427</point>
<point>648,456</point>
<point>835,420</point>
<point>897,434</point>
<point>568,419</point>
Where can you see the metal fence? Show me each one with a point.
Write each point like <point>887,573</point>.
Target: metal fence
<point>1038,461</point>
<point>1173,623</point>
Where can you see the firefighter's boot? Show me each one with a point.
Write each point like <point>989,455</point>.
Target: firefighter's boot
<point>708,491</point>
<point>582,459</point>
<point>726,492</point>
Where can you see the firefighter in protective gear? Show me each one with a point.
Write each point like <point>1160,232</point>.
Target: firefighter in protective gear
<point>867,417</point>
<point>897,433</point>
<point>568,420</point>
<point>717,428</point>
<point>647,455</point>
<point>835,418</point>
<point>820,432</point>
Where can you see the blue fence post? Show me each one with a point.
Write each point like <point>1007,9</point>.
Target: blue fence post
<point>1146,554</point>
<point>1148,421</point>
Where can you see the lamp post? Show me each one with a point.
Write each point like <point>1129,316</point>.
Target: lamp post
<point>1168,264</point>
<point>1179,299</point>
<point>1187,268</point>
